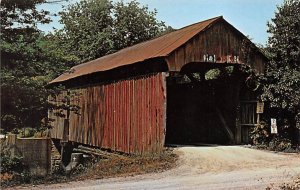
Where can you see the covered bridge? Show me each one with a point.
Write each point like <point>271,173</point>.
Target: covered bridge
<point>187,86</point>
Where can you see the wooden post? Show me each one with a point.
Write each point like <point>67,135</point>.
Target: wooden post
<point>11,139</point>
<point>238,83</point>
<point>259,110</point>
<point>258,119</point>
<point>12,143</point>
<point>238,133</point>
<point>65,150</point>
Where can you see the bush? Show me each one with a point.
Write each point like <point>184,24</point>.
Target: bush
<point>15,131</point>
<point>260,134</point>
<point>13,170</point>
<point>11,164</point>
<point>280,144</point>
<point>28,132</point>
<point>263,139</point>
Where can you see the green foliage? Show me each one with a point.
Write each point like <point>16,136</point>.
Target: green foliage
<point>280,144</point>
<point>87,29</point>
<point>29,61</point>
<point>219,73</point>
<point>94,28</point>
<point>259,134</point>
<point>13,170</point>
<point>23,99</point>
<point>15,131</point>
<point>262,138</point>
<point>28,132</point>
<point>134,24</point>
<point>10,164</point>
<point>282,81</point>
<point>212,74</point>
<point>19,19</point>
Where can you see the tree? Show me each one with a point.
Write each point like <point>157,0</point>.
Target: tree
<point>134,24</point>
<point>28,62</point>
<point>94,28</point>
<point>282,80</point>
<point>87,29</point>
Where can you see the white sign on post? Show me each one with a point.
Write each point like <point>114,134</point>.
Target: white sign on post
<point>273,126</point>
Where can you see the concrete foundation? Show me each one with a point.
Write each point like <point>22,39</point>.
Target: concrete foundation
<point>36,153</point>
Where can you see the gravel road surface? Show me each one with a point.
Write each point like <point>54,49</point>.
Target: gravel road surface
<point>209,168</point>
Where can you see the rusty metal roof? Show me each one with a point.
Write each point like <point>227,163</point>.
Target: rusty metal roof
<point>158,47</point>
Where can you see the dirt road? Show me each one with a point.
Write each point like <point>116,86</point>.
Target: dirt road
<point>222,167</point>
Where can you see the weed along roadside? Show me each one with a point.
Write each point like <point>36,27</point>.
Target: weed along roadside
<point>94,163</point>
<point>33,161</point>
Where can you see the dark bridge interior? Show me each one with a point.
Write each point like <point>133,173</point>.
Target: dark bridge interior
<point>201,109</point>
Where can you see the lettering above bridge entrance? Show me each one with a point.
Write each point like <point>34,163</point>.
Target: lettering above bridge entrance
<point>222,59</point>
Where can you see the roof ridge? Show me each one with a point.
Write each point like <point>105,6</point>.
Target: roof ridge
<point>215,18</point>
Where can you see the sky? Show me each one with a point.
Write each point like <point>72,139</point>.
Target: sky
<point>248,16</point>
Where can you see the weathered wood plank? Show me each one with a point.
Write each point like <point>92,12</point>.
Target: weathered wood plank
<point>120,116</point>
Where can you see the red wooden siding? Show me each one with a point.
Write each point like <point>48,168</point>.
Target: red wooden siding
<point>126,116</point>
